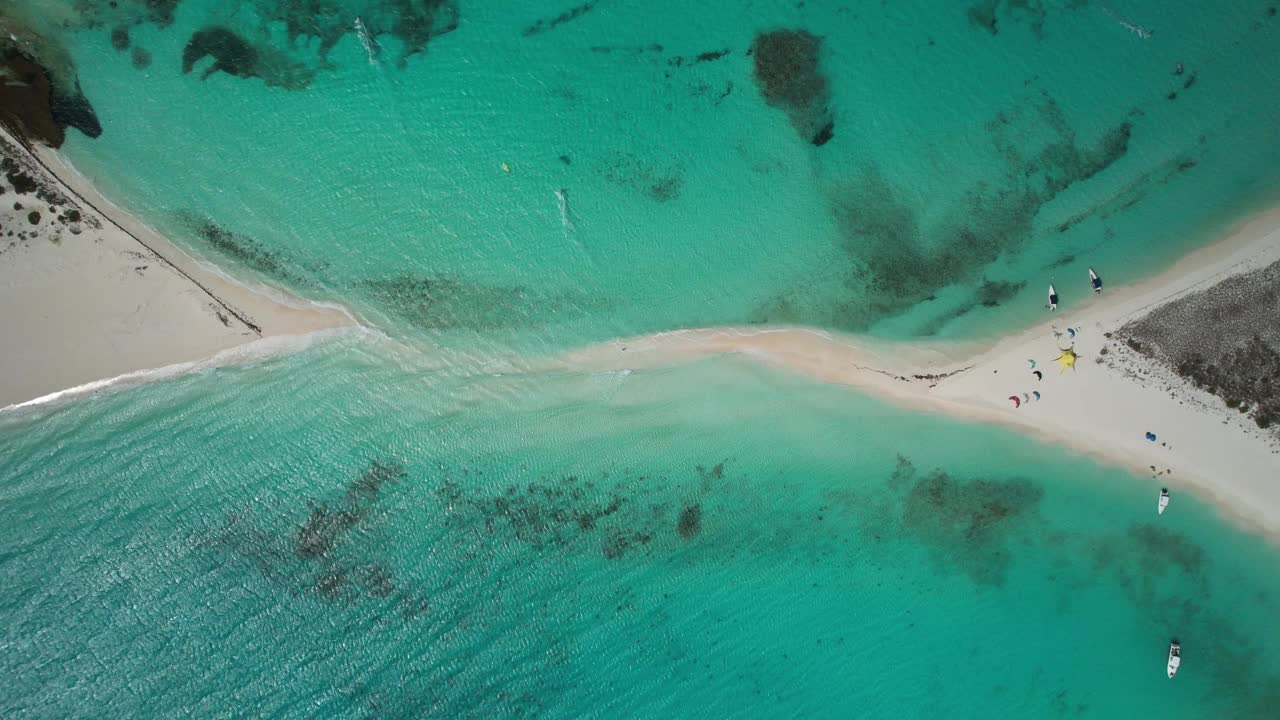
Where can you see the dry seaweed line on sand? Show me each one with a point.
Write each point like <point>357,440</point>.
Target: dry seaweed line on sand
<point>33,156</point>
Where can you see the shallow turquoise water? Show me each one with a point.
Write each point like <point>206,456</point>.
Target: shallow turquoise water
<point>530,546</point>
<point>360,531</point>
<point>958,156</point>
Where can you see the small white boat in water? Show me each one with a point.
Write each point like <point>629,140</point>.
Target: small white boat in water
<point>1175,657</point>
<point>1095,281</point>
<point>1053,297</point>
<point>1164,501</point>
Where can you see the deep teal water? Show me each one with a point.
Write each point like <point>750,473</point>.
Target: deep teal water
<point>360,530</point>
<point>280,541</point>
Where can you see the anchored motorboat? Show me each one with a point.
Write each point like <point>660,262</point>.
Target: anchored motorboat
<point>1175,657</point>
<point>1095,281</point>
<point>1053,297</point>
<point>1164,501</point>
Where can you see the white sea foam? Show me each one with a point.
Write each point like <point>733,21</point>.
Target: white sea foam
<point>247,354</point>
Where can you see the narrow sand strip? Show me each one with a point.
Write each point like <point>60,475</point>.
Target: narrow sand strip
<point>1099,410</point>
<point>100,295</point>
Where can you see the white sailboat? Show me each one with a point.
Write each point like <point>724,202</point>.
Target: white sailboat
<point>1053,297</point>
<point>1164,501</point>
<point>1175,657</point>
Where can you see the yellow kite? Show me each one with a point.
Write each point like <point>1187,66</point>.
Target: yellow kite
<point>1068,358</point>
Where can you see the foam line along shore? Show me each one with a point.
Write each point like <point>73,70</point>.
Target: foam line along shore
<point>93,293</point>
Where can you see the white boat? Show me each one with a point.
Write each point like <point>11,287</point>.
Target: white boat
<point>1175,657</point>
<point>1164,501</point>
<point>1095,281</point>
<point>1053,298</point>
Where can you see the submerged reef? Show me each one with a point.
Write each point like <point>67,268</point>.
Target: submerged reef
<point>230,53</point>
<point>548,24</point>
<point>789,76</point>
<point>233,55</point>
<point>329,554</point>
<point>245,251</point>
<point>968,524</point>
<point>239,43</point>
<point>894,262</point>
<point>620,513</point>
<point>445,302</point>
<point>630,170</point>
<point>986,15</point>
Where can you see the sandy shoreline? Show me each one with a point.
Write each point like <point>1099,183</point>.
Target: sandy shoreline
<point>105,299</point>
<point>91,293</point>
<point>1101,410</point>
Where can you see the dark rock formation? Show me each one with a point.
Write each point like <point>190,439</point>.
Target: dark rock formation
<point>36,109</point>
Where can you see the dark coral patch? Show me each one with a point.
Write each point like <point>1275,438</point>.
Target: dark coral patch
<point>615,513</point>
<point>161,12</point>
<point>244,250</point>
<point>982,15</point>
<point>1164,547</point>
<point>234,55</point>
<point>666,189</point>
<point>894,263</point>
<point>548,24</point>
<point>323,529</point>
<point>1034,14</point>
<point>140,58</point>
<point>231,54</point>
<point>444,302</point>
<point>968,524</point>
<point>825,134</point>
<point>790,78</point>
<point>120,37</point>
<point>690,522</point>
<point>329,553</point>
<point>994,292</point>
<point>659,183</point>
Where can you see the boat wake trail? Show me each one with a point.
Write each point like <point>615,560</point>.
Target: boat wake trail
<point>370,45</point>
<point>1134,28</point>
<point>562,199</point>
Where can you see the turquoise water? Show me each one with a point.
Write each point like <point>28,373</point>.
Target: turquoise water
<point>363,530</point>
<point>958,155</point>
<point>328,535</point>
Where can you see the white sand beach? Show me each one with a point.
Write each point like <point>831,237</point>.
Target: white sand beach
<point>99,295</point>
<point>1102,408</point>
